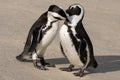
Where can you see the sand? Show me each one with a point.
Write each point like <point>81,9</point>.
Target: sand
<point>101,21</point>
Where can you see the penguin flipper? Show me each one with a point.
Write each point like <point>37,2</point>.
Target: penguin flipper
<point>34,29</point>
<point>83,52</point>
<point>35,39</point>
<point>93,62</point>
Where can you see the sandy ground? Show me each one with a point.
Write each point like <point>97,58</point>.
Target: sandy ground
<point>101,21</point>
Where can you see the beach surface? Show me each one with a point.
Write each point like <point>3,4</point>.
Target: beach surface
<point>101,21</point>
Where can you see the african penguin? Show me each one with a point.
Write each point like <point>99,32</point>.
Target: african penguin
<point>75,42</point>
<point>42,34</point>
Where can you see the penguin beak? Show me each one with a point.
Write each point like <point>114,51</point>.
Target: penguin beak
<point>67,15</point>
<point>68,11</point>
<point>67,18</point>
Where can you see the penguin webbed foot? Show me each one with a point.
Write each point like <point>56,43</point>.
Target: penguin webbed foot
<point>43,62</point>
<point>41,67</point>
<point>49,65</point>
<point>68,69</point>
<point>24,57</point>
<point>21,58</point>
<point>79,73</point>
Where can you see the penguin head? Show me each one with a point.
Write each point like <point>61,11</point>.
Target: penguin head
<point>76,10</point>
<point>57,13</point>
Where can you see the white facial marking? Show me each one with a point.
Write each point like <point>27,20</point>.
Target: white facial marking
<point>76,18</point>
<point>55,15</point>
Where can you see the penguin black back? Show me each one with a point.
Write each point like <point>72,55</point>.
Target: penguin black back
<point>42,20</point>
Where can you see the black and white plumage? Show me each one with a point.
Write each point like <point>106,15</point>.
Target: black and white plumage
<point>75,42</point>
<point>42,34</point>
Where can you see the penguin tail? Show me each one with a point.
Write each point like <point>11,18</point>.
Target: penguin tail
<point>94,63</point>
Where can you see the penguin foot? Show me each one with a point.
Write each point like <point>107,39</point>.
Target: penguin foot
<point>80,73</point>
<point>21,58</point>
<point>95,64</point>
<point>24,58</point>
<point>43,68</point>
<point>68,69</point>
<point>35,63</point>
<point>43,62</point>
<point>49,65</point>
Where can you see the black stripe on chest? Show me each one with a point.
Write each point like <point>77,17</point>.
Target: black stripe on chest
<point>48,28</point>
<point>43,32</point>
<point>74,38</point>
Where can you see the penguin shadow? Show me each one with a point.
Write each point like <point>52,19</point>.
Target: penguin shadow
<point>55,61</point>
<point>105,63</point>
<point>58,61</point>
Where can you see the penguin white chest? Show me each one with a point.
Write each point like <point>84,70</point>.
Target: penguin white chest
<point>49,34</point>
<point>69,47</point>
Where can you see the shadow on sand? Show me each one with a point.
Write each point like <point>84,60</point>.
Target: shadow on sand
<point>105,63</point>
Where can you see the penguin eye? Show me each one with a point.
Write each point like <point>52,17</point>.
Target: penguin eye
<point>57,18</point>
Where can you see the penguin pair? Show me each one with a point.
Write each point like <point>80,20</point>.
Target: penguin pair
<point>41,35</point>
<point>75,42</point>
